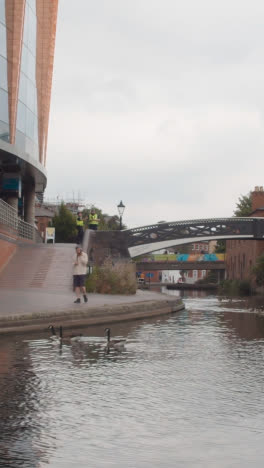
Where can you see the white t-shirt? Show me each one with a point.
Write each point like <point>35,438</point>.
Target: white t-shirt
<point>81,268</point>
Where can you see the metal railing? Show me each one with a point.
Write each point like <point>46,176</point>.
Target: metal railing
<point>9,218</point>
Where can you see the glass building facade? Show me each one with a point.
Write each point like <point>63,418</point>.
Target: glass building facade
<point>27,108</point>
<point>27,42</point>
<point>4,117</point>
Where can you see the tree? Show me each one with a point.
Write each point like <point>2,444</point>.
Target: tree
<point>244,205</point>
<point>220,246</point>
<point>258,270</point>
<point>65,225</point>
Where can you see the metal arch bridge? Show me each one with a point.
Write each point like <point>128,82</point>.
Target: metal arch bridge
<point>147,239</point>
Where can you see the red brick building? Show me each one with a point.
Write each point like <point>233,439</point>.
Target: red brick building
<point>241,255</point>
<point>43,218</point>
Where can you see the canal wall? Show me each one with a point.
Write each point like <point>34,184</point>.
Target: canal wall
<point>103,314</point>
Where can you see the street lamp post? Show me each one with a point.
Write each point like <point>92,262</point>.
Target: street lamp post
<point>121,208</point>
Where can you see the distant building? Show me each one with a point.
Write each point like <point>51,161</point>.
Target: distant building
<point>241,255</point>
<point>200,246</point>
<point>43,219</point>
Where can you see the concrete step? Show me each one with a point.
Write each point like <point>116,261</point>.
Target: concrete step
<point>40,266</point>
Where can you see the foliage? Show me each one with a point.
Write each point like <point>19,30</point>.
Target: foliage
<point>258,270</point>
<point>236,287</point>
<point>119,278</point>
<point>220,246</point>
<point>244,205</point>
<point>65,225</point>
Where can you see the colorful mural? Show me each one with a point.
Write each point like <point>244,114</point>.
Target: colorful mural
<point>182,258</point>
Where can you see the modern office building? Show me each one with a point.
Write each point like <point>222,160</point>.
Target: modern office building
<point>27,41</point>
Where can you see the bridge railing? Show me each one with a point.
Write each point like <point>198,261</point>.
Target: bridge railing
<point>9,218</point>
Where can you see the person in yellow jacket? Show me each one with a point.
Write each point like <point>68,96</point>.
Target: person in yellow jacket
<point>79,226</point>
<point>93,220</point>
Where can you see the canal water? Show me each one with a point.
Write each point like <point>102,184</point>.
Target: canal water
<point>187,391</point>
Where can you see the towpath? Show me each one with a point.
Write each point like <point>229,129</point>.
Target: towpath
<point>36,287</point>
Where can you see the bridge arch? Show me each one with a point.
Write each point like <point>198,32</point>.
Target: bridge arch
<point>147,239</point>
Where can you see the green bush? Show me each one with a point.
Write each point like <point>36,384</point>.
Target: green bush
<point>245,288</point>
<point>258,270</point>
<point>119,278</point>
<point>236,287</point>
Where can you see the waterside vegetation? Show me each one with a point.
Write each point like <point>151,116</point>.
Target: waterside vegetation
<point>118,278</point>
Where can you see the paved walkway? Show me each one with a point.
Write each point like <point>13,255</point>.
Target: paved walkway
<point>38,281</point>
<point>29,301</point>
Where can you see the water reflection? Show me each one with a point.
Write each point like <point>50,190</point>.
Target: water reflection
<point>186,391</point>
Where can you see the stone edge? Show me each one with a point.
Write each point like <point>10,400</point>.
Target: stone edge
<point>89,317</point>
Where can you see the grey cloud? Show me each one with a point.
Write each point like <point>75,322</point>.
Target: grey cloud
<point>162,99</point>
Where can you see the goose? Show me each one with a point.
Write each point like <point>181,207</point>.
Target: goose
<point>54,337</point>
<point>116,344</point>
<point>71,338</point>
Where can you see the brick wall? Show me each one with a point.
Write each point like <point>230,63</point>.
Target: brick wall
<point>7,250</point>
<point>241,255</point>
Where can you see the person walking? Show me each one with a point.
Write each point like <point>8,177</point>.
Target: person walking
<point>79,226</point>
<point>93,220</point>
<point>80,261</point>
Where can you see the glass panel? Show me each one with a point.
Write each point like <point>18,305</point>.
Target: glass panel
<point>32,32</point>
<point>3,73</point>
<point>27,121</point>
<point>31,90</point>
<point>31,67</point>
<point>30,124</point>
<point>36,130</point>
<point>21,141</point>
<point>28,64</point>
<point>4,106</point>
<point>32,4</point>
<point>22,95</point>
<point>2,11</point>
<point>24,60</point>
<point>4,131</point>
<point>2,40</point>
<point>21,117</point>
<point>26,26</point>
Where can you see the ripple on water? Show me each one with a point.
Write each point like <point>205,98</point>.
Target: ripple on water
<point>186,391</point>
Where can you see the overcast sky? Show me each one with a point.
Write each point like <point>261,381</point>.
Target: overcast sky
<point>158,103</point>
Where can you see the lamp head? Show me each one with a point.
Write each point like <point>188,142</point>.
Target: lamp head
<point>121,208</point>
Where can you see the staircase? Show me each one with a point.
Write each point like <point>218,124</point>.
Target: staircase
<point>40,266</point>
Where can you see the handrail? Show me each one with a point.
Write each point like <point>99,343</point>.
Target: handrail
<point>9,217</point>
